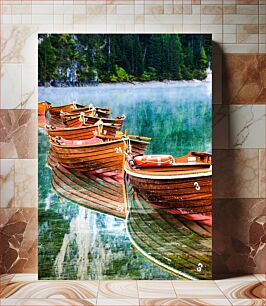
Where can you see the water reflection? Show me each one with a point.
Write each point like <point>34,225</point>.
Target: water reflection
<point>98,192</point>
<point>174,243</point>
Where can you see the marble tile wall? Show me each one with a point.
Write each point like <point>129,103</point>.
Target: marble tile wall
<point>238,29</point>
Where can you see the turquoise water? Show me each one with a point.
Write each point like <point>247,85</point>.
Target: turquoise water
<point>76,242</point>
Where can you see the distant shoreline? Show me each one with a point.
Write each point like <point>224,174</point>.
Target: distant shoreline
<point>139,84</point>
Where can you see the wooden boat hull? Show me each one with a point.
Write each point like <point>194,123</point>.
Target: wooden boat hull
<point>80,133</point>
<point>73,121</point>
<point>103,194</point>
<point>55,111</point>
<point>73,118</point>
<point>188,190</point>
<point>42,108</point>
<point>97,158</point>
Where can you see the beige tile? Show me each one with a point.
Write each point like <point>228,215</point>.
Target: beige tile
<point>242,287</point>
<point>10,82</point>
<point>229,29</point>
<point>178,9</point>
<point>139,19</point>
<point>240,48</point>
<point>6,9</point>
<point>191,19</point>
<point>240,19</point>
<point>96,9</point>
<point>42,19</point>
<point>111,10</point>
<point>117,302</point>
<point>26,19</point>
<point>118,290</point>
<point>125,9</point>
<point>139,9</point>
<point>247,2</point>
<point>7,183</point>
<point>260,277</point>
<point>247,29</point>
<point>120,19</point>
<point>247,126</point>
<point>26,189</point>
<point>248,302</point>
<point>68,8</point>
<point>211,28</point>
<point>262,177</point>
<point>197,289</point>
<point>247,9</point>
<point>211,19</point>
<point>125,28</point>
<point>163,19</point>
<point>59,9</point>
<point>48,302</point>
<point>18,44</point>
<point>52,290</point>
<point>247,38</point>
<point>16,19</point>
<point>42,9</point>
<point>229,9</point>
<point>184,302</point>
<point>153,9</point>
<point>211,9</point>
<point>58,19</point>
<point>187,9</point>
<point>196,9</point>
<point>24,277</point>
<point>217,37</point>
<point>79,9</point>
<point>156,289</point>
<point>21,9</point>
<point>229,38</point>
<point>262,9</point>
<point>191,28</point>
<point>160,28</point>
<point>68,19</point>
<point>29,80</point>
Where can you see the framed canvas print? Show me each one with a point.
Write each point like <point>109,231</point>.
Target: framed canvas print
<point>125,156</point>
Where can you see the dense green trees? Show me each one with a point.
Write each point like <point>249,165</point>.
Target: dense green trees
<point>127,57</point>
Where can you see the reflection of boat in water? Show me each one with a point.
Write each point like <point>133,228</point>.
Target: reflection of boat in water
<point>100,193</point>
<point>180,186</point>
<point>180,246</point>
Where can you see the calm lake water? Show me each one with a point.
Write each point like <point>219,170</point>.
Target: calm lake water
<point>76,242</point>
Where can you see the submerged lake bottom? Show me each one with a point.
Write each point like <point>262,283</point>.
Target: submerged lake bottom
<point>92,227</point>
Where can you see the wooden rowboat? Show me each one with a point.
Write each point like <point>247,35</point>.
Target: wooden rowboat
<point>42,107</point>
<point>97,192</point>
<point>91,120</point>
<point>55,111</point>
<point>82,132</point>
<point>182,187</point>
<point>95,155</point>
<point>74,115</point>
<point>84,155</point>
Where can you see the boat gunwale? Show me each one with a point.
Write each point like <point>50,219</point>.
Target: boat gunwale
<point>183,174</point>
